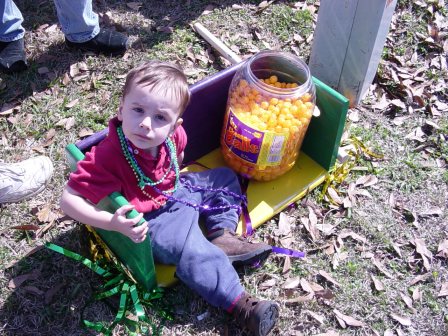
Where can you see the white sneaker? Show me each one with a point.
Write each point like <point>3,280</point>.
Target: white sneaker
<point>24,179</point>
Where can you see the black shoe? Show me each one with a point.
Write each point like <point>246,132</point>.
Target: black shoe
<point>259,316</point>
<point>12,56</point>
<point>107,42</point>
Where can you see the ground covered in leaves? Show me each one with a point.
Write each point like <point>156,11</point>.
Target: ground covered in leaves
<point>375,233</point>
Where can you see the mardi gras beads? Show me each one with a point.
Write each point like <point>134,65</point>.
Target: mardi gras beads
<point>270,104</point>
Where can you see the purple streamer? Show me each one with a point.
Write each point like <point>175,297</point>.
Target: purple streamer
<point>288,252</point>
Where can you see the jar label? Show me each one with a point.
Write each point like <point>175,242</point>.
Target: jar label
<point>263,148</point>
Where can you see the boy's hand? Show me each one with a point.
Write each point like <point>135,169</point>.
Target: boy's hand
<point>126,226</point>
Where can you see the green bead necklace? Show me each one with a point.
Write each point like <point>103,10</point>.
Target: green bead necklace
<point>144,180</point>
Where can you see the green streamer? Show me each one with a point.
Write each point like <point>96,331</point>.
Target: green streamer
<point>130,295</point>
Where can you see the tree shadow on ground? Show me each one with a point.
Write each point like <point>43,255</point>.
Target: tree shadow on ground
<point>53,294</point>
<point>163,15</point>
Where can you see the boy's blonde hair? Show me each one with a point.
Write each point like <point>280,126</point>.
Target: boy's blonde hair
<point>162,76</point>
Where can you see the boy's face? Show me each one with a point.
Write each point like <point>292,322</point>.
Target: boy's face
<point>148,117</point>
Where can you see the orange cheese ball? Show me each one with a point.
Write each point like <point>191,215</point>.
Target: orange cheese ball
<point>289,116</point>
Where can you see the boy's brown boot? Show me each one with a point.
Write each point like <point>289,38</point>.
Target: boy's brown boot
<point>258,316</point>
<point>239,250</point>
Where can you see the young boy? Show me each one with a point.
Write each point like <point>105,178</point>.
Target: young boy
<point>140,158</point>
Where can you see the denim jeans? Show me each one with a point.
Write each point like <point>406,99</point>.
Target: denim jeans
<point>177,238</point>
<point>78,21</point>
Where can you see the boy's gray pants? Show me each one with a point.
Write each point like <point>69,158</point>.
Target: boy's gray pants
<point>177,238</point>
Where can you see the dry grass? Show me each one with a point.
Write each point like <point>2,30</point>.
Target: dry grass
<point>408,171</point>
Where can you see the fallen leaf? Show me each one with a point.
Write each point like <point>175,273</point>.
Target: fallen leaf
<point>50,134</point>
<point>33,289</point>
<point>367,180</point>
<point>417,134</point>
<point>67,123</point>
<point>398,103</point>
<point>354,116</point>
<point>334,196</point>
<point>400,332</point>
<point>49,294</point>
<point>306,286</point>
<point>316,287</point>
<point>65,79</point>
<point>299,299</point>
<point>72,103</point>
<point>421,249</point>
<point>398,121</point>
<point>396,247</point>
<point>43,70</point>
<point>347,202</point>
<point>264,4</point>
<point>317,317</point>
<point>442,250</point>
<point>44,229</point>
<point>381,268</point>
<point>203,316</point>
<point>382,103</point>
<point>291,283</point>
<point>26,227</point>
<point>408,301</point>
<point>286,265</point>
<point>362,192</point>
<point>312,230</point>
<point>377,283</point>
<point>13,120</point>
<point>347,233</point>
<point>329,333</point>
<point>348,319</point>
<point>326,229</point>
<point>416,294</point>
<point>28,119</point>
<point>367,255</point>
<point>134,5</point>
<point>46,215</point>
<point>329,278</point>
<point>268,284</point>
<point>420,278</point>
<point>208,9</point>
<point>389,332</point>
<point>443,290</point>
<point>287,241</point>
<point>324,294</point>
<point>403,320</point>
<point>8,109</point>
<point>49,137</point>
<point>433,211</point>
<point>85,132</point>
<point>20,279</point>
<point>74,70</point>
<point>284,224</point>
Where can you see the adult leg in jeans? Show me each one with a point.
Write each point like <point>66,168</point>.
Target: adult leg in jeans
<point>80,25</point>
<point>11,25</point>
<point>12,51</point>
<point>78,21</point>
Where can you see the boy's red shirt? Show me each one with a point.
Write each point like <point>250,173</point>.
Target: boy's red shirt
<point>105,170</point>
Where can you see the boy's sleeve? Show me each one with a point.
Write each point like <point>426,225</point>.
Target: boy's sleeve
<point>180,139</point>
<point>95,177</point>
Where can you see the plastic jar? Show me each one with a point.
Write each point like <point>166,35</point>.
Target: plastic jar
<point>270,105</point>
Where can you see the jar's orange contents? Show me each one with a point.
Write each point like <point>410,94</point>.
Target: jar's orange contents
<point>283,116</point>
